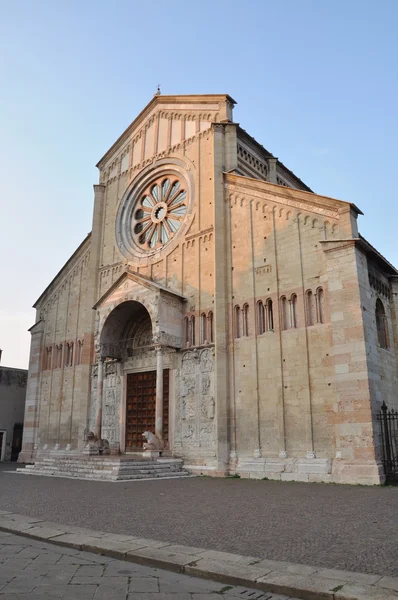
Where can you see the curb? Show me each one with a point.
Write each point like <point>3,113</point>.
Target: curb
<point>300,581</point>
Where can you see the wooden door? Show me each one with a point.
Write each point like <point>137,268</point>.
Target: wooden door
<point>140,407</point>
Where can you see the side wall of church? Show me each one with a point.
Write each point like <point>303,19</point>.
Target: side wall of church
<point>62,359</point>
<point>382,361</point>
<point>283,385</point>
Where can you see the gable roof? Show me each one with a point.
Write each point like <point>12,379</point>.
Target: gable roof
<point>160,99</point>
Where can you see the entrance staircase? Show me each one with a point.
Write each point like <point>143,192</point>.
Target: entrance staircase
<point>105,468</point>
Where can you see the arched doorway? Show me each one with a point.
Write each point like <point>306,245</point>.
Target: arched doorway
<point>128,331</point>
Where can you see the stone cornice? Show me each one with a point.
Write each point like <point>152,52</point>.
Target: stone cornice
<point>142,281</point>
<point>299,198</point>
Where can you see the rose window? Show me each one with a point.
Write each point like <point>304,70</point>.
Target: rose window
<point>159,212</point>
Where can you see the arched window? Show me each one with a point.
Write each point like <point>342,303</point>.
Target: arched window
<point>284,313</point>
<point>237,321</point>
<point>260,317</point>
<point>210,327</point>
<point>59,356</point>
<point>192,340</point>
<point>293,310</point>
<point>69,355</point>
<point>49,358</point>
<point>203,329</point>
<point>245,320</point>
<point>79,352</point>
<point>381,324</point>
<point>186,331</point>
<point>320,300</point>
<point>269,315</point>
<point>310,308</point>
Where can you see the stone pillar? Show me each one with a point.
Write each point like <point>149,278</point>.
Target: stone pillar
<point>159,394</point>
<point>100,385</point>
<point>31,418</point>
<point>88,315</point>
<point>272,169</point>
<point>351,413</point>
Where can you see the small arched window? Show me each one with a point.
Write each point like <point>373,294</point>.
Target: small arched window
<point>49,358</point>
<point>69,355</point>
<point>260,317</point>
<point>269,315</point>
<point>284,313</point>
<point>203,329</point>
<point>210,327</point>
<point>59,356</point>
<point>245,320</point>
<point>320,299</point>
<point>186,331</point>
<point>79,352</point>
<point>310,308</point>
<point>293,310</point>
<point>381,325</point>
<point>237,321</point>
<point>192,336</point>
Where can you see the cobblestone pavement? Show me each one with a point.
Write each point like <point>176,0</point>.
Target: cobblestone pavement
<point>33,570</point>
<point>354,528</point>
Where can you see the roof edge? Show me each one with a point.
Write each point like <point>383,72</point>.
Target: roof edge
<point>62,268</point>
<point>159,99</point>
<point>270,155</point>
<point>286,191</point>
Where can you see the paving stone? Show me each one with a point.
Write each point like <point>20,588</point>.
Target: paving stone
<point>144,584</point>
<point>106,592</point>
<point>364,592</point>
<point>190,584</point>
<point>20,585</point>
<point>235,573</point>
<point>363,578</point>
<point>9,549</point>
<point>103,578</point>
<point>288,583</point>
<point>17,563</point>
<point>227,557</point>
<point>390,583</point>
<point>80,592</point>
<point>90,571</point>
<point>160,558</point>
<point>146,596</point>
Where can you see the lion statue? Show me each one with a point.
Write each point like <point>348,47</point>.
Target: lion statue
<point>95,445</point>
<point>152,443</point>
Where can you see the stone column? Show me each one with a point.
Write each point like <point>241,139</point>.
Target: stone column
<point>100,385</point>
<point>31,419</point>
<point>159,394</point>
<point>272,161</point>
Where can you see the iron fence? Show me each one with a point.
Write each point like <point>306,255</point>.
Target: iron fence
<point>389,439</point>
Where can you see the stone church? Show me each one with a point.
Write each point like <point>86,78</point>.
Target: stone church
<point>220,306</point>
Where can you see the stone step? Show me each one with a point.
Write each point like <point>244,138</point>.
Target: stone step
<point>101,476</point>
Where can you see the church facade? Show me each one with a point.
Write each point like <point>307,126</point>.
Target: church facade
<point>219,304</point>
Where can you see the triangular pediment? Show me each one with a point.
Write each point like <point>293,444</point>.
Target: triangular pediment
<point>165,122</point>
<point>141,281</point>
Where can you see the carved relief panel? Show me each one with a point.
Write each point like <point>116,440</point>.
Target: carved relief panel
<point>111,403</point>
<point>195,410</point>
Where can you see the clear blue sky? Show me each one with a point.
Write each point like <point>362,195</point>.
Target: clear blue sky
<point>316,83</point>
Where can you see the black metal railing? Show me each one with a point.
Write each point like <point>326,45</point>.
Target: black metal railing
<point>389,439</point>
